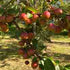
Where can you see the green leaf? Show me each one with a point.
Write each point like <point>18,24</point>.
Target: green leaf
<point>35,43</point>
<point>29,15</point>
<point>1,10</point>
<point>57,62</point>
<point>34,59</point>
<point>31,9</point>
<point>48,65</point>
<point>41,66</point>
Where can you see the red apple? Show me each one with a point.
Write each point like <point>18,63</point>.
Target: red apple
<point>51,27</point>
<point>4,27</point>
<point>46,14</point>
<point>58,11</point>
<point>58,29</point>
<point>30,35</point>
<point>25,55</point>
<point>28,21</point>
<point>21,51</point>
<point>24,35</point>
<point>9,18</point>
<point>31,51</point>
<point>23,16</point>
<point>34,65</point>
<point>52,8</point>
<point>35,17</point>
<point>2,19</point>
<point>21,43</point>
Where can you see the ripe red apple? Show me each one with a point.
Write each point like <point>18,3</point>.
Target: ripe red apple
<point>46,14</point>
<point>30,35</point>
<point>21,51</point>
<point>51,27</point>
<point>58,29</point>
<point>34,65</point>
<point>24,35</point>
<point>35,17</point>
<point>9,18</point>
<point>25,55</point>
<point>52,8</point>
<point>4,27</point>
<point>28,21</point>
<point>21,43</point>
<point>23,16</point>
<point>2,19</point>
<point>58,11</point>
<point>30,51</point>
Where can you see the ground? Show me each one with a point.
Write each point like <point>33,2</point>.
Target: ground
<point>59,49</point>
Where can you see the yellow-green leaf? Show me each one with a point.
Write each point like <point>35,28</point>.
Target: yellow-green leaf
<point>31,9</point>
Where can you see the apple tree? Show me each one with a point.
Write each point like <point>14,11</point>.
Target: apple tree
<point>41,19</point>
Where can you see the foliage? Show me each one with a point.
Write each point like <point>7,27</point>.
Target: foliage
<point>40,19</point>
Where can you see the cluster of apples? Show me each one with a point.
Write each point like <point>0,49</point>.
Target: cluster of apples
<point>63,23</point>
<point>25,37</point>
<point>26,40</point>
<point>54,28</point>
<point>52,13</point>
<point>56,11</point>
<point>3,22</point>
<point>42,18</point>
<point>26,52</point>
<point>27,20</point>
<point>36,16</point>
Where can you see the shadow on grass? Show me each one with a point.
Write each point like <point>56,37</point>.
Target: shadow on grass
<point>65,57</point>
<point>8,52</point>
<point>13,33</point>
<point>60,42</point>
